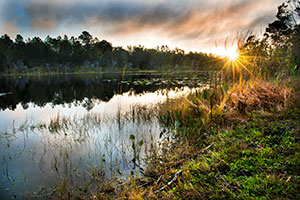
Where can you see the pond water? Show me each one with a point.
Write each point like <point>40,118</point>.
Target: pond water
<point>73,126</point>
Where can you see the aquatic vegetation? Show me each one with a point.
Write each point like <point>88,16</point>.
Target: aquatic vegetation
<point>77,149</point>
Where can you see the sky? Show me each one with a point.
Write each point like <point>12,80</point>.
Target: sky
<point>192,25</point>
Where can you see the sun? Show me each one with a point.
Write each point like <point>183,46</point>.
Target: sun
<point>235,62</point>
<point>231,53</point>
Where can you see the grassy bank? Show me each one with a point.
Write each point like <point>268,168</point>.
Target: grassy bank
<point>254,156</point>
<point>237,142</point>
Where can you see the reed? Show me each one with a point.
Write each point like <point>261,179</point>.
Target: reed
<point>221,105</point>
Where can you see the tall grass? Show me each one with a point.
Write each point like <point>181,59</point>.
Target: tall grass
<point>200,111</point>
<point>251,82</point>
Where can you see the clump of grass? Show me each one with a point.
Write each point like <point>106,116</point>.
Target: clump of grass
<point>222,105</point>
<point>141,113</point>
<point>58,123</point>
<point>257,95</point>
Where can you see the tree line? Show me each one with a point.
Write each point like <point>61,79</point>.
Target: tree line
<point>85,50</point>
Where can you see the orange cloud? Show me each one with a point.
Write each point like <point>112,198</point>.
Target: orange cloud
<point>189,22</point>
<point>43,24</point>
<point>9,29</point>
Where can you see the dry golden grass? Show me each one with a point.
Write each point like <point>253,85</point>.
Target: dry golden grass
<point>234,103</point>
<point>255,95</point>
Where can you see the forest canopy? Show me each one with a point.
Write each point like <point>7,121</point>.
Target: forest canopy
<point>85,50</point>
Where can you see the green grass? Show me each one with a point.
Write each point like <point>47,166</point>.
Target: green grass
<point>257,159</point>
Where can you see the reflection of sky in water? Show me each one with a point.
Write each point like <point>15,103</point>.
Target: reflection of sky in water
<point>35,156</point>
<point>48,111</point>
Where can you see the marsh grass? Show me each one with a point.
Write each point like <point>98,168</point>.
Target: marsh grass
<point>97,185</point>
<point>222,105</point>
<point>84,151</point>
<point>255,156</point>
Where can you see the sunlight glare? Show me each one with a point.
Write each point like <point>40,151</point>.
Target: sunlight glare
<point>230,53</point>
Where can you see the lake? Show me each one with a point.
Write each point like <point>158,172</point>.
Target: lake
<point>75,126</point>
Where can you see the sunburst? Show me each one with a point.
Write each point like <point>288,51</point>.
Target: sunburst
<point>233,55</point>
<point>236,61</point>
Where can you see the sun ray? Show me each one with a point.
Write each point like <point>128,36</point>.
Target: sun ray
<point>238,62</point>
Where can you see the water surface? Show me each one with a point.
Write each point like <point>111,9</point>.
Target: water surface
<point>71,126</point>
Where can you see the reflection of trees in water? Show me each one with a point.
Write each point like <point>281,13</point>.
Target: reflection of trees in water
<point>62,89</point>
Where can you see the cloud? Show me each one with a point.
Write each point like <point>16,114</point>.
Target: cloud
<point>45,24</point>
<point>9,29</point>
<point>174,19</point>
<point>225,19</point>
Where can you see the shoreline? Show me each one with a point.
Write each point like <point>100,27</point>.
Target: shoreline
<point>127,72</point>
